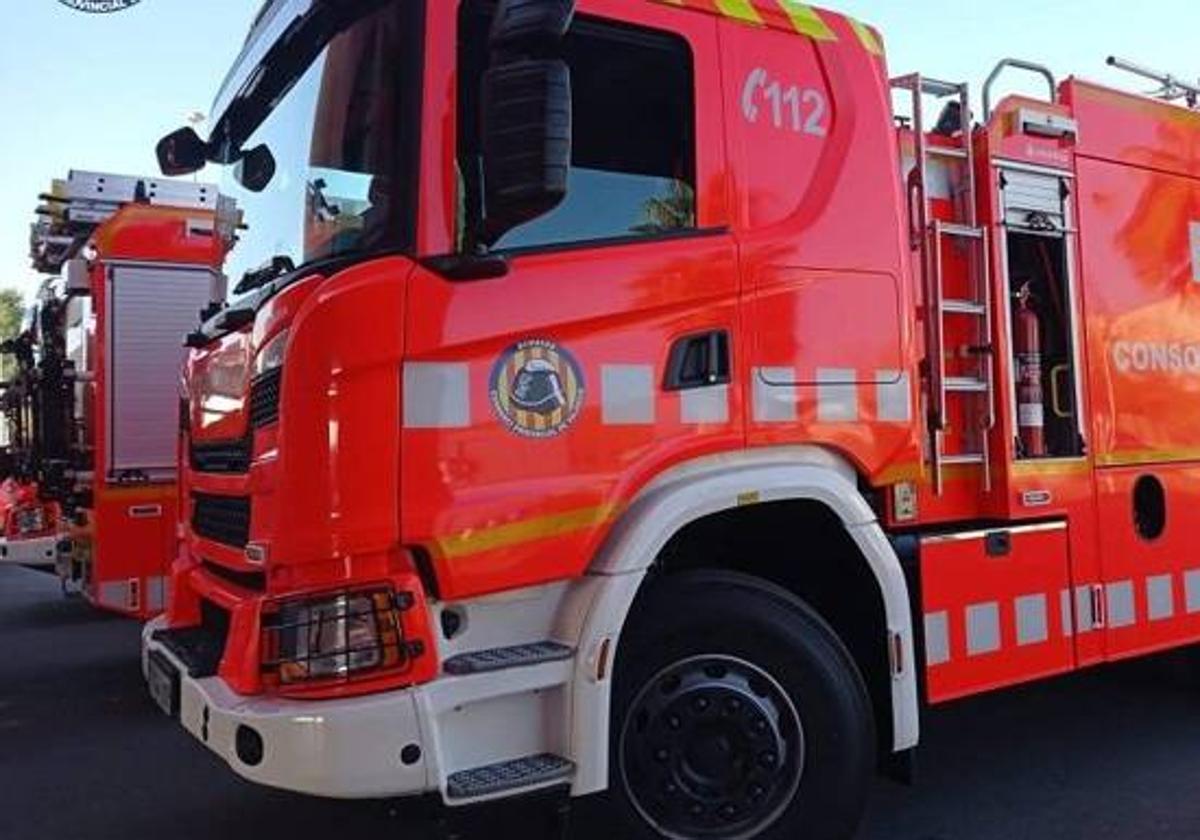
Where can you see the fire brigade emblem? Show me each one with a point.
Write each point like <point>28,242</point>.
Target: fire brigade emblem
<point>537,389</point>
<point>99,7</point>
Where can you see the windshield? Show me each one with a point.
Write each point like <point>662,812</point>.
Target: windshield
<point>344,142</point>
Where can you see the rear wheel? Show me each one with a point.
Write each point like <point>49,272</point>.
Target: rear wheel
<point>737,714</point>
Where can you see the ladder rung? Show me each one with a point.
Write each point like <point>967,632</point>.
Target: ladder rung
<point>963,307</point>
<point>946,151</point>
<point>936,87</point>
<point>966,385</point>
<point>962,231</point>
<point>963,458</point>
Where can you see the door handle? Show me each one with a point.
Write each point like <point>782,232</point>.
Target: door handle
<point>1056,392</point>
<point>700,360</point>
<point>1099,612</point>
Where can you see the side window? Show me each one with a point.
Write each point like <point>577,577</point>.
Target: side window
<point>633,163</point>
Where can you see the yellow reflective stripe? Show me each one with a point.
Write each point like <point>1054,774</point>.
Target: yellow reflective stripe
<point>741,9</point>
<point>514,533</point>
<point>1134,457</point>
<point>136,494</point>
<point>807,21</point>
<point>866,36</point>
<point>898,473</point>
<point>1051,467</point>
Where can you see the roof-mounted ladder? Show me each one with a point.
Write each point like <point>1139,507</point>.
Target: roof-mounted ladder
<point>75,206</point>
<point>973,385</point>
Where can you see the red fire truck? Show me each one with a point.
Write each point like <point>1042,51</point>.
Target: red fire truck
<point>618,397</point>
<point>29,524</point>
<point>133,263</point>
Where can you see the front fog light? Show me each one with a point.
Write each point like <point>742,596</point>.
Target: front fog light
<point>333,637</point>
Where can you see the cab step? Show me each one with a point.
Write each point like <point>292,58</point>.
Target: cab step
<point>504,776</point>
<point>502,658</point>
<point>966,385</point>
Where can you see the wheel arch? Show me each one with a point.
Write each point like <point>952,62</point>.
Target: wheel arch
<point>663,513</point>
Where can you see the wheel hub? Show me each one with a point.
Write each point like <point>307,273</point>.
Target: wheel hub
<point>712,747</point>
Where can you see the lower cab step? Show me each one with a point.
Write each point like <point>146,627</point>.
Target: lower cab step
<point>498,659</point>
<point>511,775</point>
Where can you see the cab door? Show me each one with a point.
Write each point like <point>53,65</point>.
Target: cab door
<point>537,402</point>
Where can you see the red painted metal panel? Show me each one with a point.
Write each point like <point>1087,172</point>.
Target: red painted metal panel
<point>1002,613</point>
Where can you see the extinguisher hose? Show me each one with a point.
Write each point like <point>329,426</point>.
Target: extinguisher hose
<point>1052,282</point>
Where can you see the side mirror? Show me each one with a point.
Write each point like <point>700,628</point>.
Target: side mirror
<point>526,142</point>
<point>521,24</point>
<point>255,168</point>
<point>181,152</point>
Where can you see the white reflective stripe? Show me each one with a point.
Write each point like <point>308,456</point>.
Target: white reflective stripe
<point>937,638</point>
<point>156,592</point>
<point>627,395</point>
<point>1194,236</point>
<point>436,395</point>
<point>1121,609</point>
<point>893,397</point>
<point>983,628</point>
<point>705,405</point>
<point>1191,590</point>
<point>774,403</point>
<point>1064,604</point>
<point>837,395</point>
<point>1032,627</point>
<point>1085,619</point>
<point>113,593</point>
<point>1160,597</point>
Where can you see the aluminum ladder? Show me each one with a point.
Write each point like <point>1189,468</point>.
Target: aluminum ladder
<point>973,385</point>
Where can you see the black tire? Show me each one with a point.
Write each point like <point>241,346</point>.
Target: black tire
<point>737,713</point>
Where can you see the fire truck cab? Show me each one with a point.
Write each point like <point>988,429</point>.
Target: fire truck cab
<point>616,397</point>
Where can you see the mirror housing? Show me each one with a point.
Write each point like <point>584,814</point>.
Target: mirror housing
<point>255,168</point>
<point>526,142</point>
<point>181,152</point>
<point>529,24</point>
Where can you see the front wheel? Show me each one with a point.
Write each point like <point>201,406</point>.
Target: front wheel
<point>737,714</point>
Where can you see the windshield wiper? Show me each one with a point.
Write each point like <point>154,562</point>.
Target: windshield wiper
<point>256,278</point>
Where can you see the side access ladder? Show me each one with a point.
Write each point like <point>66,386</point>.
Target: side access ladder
<point>972,382</point>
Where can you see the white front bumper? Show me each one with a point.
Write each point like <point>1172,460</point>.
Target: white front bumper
<point>40,551</point>
<point>340,748</point>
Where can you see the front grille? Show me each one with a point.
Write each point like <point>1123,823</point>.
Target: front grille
<point>222,519</point>
<point>255,581</point>
<point>264,398</point>
<point>221,457</point>
<point>199,648</point>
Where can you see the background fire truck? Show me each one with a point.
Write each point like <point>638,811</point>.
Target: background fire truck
<point>133,262</point>
<point>626,403</point>
<point>30,523</point>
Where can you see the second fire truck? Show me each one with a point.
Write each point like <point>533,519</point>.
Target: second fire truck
<point>615,398</point>
<point>132,262</point>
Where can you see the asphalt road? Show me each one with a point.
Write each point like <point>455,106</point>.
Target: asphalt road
<point>1112,753</point>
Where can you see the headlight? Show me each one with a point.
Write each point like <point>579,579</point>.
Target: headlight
<point>334,637</point>
<point>270,357</point>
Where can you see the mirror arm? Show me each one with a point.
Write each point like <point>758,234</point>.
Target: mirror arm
<point>475,217</point>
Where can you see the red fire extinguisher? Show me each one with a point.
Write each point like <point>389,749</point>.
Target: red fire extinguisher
<point>1031,414</point>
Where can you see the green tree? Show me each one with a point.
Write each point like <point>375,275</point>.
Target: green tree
<point>12,313</point>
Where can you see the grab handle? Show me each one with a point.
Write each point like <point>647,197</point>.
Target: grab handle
<point>1016,64</point>
<point>1056,392</point>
